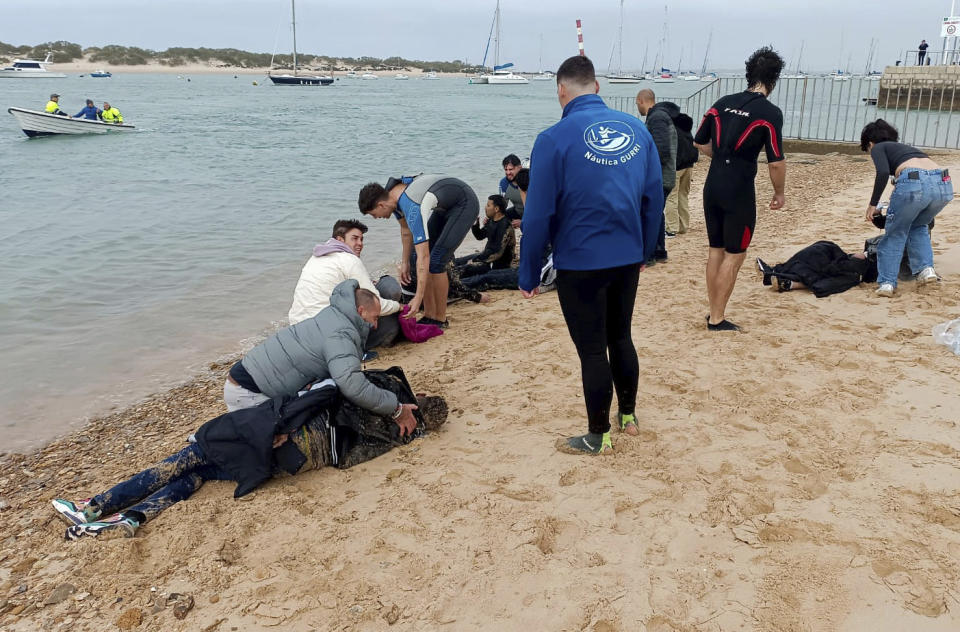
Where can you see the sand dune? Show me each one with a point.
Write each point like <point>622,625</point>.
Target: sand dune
<point>799,476</point>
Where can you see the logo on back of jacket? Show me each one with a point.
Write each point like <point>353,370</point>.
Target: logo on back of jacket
<point>610,143</point>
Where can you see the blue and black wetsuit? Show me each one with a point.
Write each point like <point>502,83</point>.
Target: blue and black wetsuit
<point>737,127</point>
<point>439,210</point>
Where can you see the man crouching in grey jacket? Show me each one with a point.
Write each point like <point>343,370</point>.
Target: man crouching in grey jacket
<point>329,345</point>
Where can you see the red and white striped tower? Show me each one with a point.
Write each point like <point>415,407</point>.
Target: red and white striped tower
<point>580,38</point>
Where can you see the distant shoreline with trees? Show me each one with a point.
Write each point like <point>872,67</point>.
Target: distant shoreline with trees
<point>218,59</point>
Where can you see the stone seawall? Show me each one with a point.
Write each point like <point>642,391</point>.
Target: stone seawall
<point>920,87</point>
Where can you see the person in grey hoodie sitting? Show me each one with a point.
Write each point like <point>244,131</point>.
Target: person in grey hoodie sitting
<point>329,345</point>
<point>659,122</point>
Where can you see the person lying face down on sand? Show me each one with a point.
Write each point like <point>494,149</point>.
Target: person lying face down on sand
<point>281,437</point>
<point>823,268</point>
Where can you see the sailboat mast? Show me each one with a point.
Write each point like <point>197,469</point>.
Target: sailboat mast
<point>620,42</point>
<point>703,69</point>
<point>496,42</point>
<point>800,56</point>
<point>540,69</point>
<point>293,13</point>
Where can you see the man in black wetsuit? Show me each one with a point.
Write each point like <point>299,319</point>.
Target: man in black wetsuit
<point>733,132</point>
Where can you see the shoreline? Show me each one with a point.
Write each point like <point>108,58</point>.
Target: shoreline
<point>85,67</point>
<point>771,472</point>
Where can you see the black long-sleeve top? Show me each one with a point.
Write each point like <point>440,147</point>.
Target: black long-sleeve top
<point>887,156</point>
<point>501,242</point>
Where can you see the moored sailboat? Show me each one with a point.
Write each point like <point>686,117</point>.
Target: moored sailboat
<point>297,79</point>
<point>620,77</point>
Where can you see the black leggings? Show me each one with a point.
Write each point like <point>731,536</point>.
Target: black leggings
<point>598,308</point>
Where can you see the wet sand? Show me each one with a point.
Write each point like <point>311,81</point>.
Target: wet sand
<point>799,476</point>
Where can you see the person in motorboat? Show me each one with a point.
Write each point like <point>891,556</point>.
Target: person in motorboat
<point>90,112</point>
<point>110,114</point>
<point>53,105</point>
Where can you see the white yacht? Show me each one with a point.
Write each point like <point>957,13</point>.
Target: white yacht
<point>368,76</point>
<point>401,77</point>
<point>430,76</point>
<point>502,75</point>
<point>30,69</point>
<point>351,74</point>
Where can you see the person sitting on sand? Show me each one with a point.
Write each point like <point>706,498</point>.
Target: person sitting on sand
<point>823,268</point>
<point>501,241</point>
<point>506,278</point>
<point>510,191</point>
<point>329,345</point>
<point>921,191</point>
<point>285,436</point>
<point>435,213</point>
<point>335,261</point>
<point>110,114</point>
<point>90,112</point>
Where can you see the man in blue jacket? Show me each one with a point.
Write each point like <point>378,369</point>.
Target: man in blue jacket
<point>90,112</point>
<point>595,196</point>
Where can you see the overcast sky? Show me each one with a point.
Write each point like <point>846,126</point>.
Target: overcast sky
<point>457,29</point>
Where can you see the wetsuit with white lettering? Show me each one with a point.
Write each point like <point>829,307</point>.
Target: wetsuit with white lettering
<point>439,210</point>
<point>737,127</point>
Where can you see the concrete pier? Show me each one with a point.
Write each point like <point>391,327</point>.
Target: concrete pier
<point>934,88</point>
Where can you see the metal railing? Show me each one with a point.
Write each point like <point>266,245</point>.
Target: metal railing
<point>932,58</point>
<point>831,109</point>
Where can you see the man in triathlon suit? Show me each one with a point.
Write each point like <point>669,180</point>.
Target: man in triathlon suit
<point>596,196</point>
<point>435,214</point>
<point>733,132</point>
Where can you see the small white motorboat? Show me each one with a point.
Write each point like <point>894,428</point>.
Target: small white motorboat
<point>34,123</point>
<point>369,76</point>
<point>401,77</point>
<point>30,69</point>
<point>429,76</point>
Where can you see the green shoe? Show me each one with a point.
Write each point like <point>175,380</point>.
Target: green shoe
<point>628,424</point>
<point>590,443</point>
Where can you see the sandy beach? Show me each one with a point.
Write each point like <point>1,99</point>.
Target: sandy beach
<point>85,66</point>
<point>799,476</point>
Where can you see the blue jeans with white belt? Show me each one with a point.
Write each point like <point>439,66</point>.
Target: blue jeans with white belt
<point>916,200</point>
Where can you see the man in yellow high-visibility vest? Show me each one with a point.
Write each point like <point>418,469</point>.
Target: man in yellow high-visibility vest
<point>110,114</point>
<point>53,105</point>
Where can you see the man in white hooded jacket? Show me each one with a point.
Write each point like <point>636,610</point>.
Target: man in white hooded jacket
<point>335,261</point>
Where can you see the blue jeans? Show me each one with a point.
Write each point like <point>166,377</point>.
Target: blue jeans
<point>156,488</point>
<point>914,203</point>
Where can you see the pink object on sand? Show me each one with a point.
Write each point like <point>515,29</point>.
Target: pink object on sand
<point>414,331</point>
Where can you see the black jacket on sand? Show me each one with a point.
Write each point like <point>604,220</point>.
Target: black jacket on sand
<point>241,442</point>
<point>826,269</point>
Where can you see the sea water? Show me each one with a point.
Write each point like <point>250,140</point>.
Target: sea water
<point>129,262</point>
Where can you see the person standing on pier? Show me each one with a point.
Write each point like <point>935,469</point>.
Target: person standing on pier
<point>922,51</point>
<point>732,133</point>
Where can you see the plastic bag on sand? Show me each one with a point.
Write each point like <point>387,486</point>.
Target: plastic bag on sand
<point>948,334</point>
